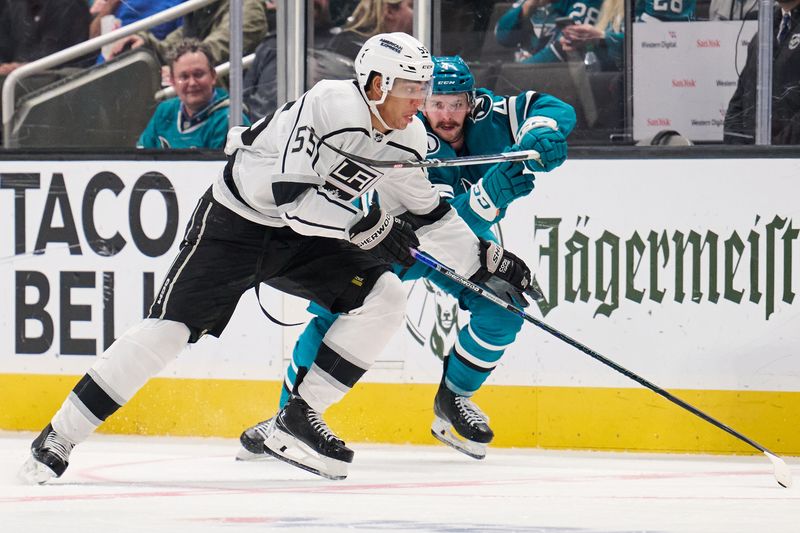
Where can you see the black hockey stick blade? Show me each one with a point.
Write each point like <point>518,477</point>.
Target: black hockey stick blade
<point>780,470</point>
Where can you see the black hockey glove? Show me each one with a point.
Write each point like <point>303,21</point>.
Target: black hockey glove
<point>503,273</point>
<point>386,236</point>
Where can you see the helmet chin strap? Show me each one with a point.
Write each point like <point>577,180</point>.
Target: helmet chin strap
<point>373,105</point>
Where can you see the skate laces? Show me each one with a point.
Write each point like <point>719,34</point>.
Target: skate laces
<point>321,427</point>
<point>58,446</point>
<point>471,413</point>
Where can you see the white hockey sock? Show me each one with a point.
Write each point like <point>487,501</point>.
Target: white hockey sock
<point>351,345</point>
<point>138,355</point>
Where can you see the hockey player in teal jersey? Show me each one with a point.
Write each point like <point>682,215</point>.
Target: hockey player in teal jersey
<point>531,26</point>
<point>463,121</point>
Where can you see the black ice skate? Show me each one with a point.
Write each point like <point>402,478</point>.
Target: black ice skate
<point>460,423</point>
<point>301,438</point>
<point>252,440</point>
<point>49,457</point>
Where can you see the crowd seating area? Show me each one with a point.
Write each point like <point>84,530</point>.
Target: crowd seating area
<point>111,102</point>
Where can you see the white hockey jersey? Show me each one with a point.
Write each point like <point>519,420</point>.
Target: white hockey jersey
<point>281,173</point>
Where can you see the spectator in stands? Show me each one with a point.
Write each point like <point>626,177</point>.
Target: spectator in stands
<point>33,29</point>
<point>198,116</point>
<point>604,39</point>
<point>733,10</point>
<point>260,80</point>
<point>740,121</point>
<point>209,24</point>
<point>130,11</point>
<point>340,10</point>
<point>369,18</point>
<point>530,26</point>
<point>655,10</point>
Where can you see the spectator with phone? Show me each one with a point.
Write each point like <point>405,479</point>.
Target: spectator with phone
<point>535,27</point>
<point>604,40</point>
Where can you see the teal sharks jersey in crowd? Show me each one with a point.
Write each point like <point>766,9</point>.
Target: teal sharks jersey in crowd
<point>170,128</point>
<point>539,36</point>
<point>670,10</point>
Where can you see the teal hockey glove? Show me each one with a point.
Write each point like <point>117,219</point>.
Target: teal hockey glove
<point>545,139</point>
<point>502,184</point>
<point>551,145</point>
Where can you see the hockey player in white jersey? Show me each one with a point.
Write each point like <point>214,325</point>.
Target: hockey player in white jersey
<point>281,213</point>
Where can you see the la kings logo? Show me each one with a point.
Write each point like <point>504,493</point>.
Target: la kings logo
<point>350,180</point>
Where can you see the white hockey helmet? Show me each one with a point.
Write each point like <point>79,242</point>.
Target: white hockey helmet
<point>393,56</point>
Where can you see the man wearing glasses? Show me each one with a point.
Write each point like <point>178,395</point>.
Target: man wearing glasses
<point>198,116</point>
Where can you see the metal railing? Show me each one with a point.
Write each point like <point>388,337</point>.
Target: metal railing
<point>221,70</point>
<point>78,50</point>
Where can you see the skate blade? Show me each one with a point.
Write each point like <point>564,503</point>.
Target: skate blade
<point>443,431</point>
<point>33,472</point>
<point>288,449</point>
<point>245,455</point>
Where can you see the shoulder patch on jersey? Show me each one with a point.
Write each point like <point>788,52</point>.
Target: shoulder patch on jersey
<point>483,107</point>
<point>433,143</point>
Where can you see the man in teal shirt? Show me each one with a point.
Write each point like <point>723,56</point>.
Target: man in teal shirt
<point>198,116</point>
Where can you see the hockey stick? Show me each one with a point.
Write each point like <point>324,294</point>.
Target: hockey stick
<point>522,155</point>
<point>782,473</point>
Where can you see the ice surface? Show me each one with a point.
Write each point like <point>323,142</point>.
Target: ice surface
<point>160,485</point>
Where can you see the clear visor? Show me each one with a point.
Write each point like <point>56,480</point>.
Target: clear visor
<point>452,103</point>
<point>410,89</point>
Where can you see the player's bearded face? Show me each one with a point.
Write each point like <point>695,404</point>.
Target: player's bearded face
<point>446,114</point>
<point>403,101</point>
